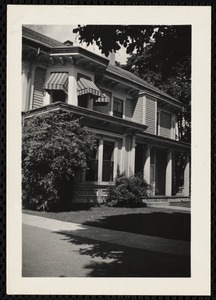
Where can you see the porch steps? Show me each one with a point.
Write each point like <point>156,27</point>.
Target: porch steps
<point>167,201</point>
<point>90,194</point>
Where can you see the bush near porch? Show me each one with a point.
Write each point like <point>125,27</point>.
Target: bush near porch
<point>55,148</point>
<point>128,191</point>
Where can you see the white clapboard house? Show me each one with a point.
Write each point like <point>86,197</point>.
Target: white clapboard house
<point>134,122</point>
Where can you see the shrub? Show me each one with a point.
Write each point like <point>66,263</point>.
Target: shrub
<point>55,148</point>
<point>127,191</point>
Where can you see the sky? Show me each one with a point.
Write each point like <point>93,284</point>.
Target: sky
<point>62,33</point>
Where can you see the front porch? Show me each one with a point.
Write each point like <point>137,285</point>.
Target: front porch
<point>125,145</point>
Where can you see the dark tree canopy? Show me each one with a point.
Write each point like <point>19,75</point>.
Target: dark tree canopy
<point>135,37</point>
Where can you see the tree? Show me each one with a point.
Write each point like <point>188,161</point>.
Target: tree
<point>166,63</point>
<point>160,55</point>
<point>55,148</point>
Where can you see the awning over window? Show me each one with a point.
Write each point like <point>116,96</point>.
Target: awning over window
<point>103,99</point>
<point>86,86</point>
<point>57,81</point>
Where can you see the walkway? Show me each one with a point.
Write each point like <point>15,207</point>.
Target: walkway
<point>128,239</point>
<point>56,248</point>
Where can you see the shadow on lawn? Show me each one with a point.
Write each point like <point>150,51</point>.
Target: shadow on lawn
<point>110,260</point>
<point>167,225</point>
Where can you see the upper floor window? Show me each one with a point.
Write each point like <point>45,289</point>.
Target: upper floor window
<point>87,91</point>
<point>165,120</point>
<point>58,96</point>
<point>164,124</point>
<point>57,86</point>
<point>117,108</point>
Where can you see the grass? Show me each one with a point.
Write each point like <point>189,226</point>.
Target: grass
<point>94,213</point>
<point>151,221</point>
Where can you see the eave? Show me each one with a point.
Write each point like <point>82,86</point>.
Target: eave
<point>78,54</point>
<point>99,119</point>
<point>165,143</point>
<point>144,89</point>
<point>110,124</point>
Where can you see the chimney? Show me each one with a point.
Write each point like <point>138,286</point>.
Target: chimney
<point>68,43</point>
<point>111,58</point>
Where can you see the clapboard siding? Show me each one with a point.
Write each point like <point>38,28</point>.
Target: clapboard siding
<point>39,81</point>
<point>129,108</point>
<point>138,111</point>
<point>165,124</point>
<point>150,115</point>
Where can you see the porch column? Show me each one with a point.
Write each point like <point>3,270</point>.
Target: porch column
<point>72,87</point>
<point>122,164</point>
<point>132,164</point>
<point>25,71</point>
<point>115,158</point>
<point>168,191</point>
<point>186,176</point>
<point>100,159</point>
<point>146,170</point>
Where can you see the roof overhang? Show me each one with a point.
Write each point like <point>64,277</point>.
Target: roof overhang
<point>109,123</point>
<point>79,57</point>
<point>164,143</point>
<point>164,102</point>
<point>95,118</point>
<point>143,89</point>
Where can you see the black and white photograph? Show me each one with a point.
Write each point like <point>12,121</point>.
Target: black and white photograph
<point>106,151</point>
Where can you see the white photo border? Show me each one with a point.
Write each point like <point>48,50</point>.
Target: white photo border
<point>200,19</point>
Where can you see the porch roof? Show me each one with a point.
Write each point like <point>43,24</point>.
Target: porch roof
<point>126,126</point>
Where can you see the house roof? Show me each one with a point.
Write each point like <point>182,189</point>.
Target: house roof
<point>137,80</point>
<point>113,70</point>
<point>40,38</point>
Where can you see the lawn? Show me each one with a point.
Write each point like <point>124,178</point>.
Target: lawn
<point>159,222</point>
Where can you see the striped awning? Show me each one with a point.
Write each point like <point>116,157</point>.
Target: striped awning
<point>103,99</point>
<point>86,86</point>
<point>57,81</point>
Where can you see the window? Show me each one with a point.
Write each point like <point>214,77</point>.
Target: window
<point>165,124</point>
<point>92,166</point>
<point>83,100</point>
<point>58,95</point>
<point>57,86</point>
<point>118,108</point>
<point>87,91</point>
<point>165,120</point>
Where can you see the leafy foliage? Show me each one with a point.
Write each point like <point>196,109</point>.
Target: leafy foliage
<point>111,37</point>
<point>166,63</point>
<point>55,148</point>
<point>127,191</point>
